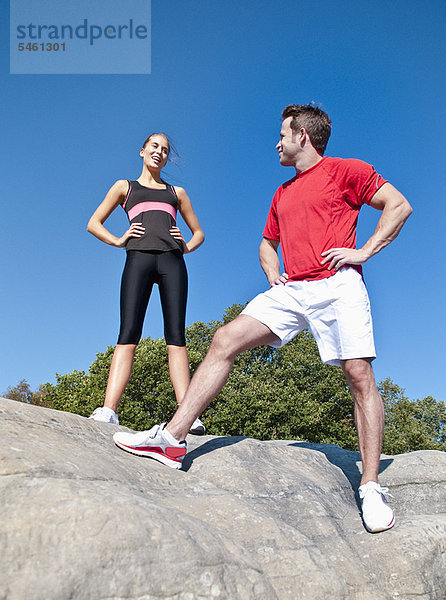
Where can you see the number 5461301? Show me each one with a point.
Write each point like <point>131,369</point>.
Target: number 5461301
<point>42,46</point>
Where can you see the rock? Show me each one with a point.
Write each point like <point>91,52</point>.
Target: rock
<point>244,520</point>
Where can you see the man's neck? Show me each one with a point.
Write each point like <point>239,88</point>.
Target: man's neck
<point>307,160</point>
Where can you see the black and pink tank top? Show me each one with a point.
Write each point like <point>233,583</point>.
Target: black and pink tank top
<point>156,209</point>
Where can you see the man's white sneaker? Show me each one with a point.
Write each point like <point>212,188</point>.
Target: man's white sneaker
<point>155,443</point>
<point>197,427</point>
<point>376,513</point>
<point>105,415</point>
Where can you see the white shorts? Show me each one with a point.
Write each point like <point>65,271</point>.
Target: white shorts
<point>336,309</point>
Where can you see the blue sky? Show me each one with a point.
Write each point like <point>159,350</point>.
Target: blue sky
<point>221,74</point>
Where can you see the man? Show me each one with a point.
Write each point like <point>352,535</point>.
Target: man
<point>313,216</point>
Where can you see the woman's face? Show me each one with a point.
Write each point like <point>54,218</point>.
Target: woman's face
<point>156,152</point>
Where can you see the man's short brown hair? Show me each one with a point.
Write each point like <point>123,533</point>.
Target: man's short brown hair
<point>314,120</point>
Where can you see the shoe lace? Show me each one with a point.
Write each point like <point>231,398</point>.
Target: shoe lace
<point>152,433</point>
<point>384,491</point>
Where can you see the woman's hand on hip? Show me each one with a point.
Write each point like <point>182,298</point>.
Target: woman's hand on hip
<point>136,230</point>
<point>176,233</point>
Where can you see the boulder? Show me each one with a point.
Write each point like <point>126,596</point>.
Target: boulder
<point>244,519</point>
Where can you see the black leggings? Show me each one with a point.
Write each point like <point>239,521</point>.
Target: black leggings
<point>141,271</point>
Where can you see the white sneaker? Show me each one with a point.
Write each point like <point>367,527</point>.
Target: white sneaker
<point>197,427</point>
<point>155,443</point>
<point>105,415</point>
<point>376,513</point>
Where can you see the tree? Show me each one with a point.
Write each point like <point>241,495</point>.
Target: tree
<point>284,393</point>
<point>270,393</point>
<point>22,392</point>
<point>148,398</point>
<point>412,424</point>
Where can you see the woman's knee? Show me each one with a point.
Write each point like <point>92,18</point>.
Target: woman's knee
<point>124,351</point>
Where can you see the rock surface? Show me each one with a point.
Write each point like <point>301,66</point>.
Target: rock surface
<point>244,520</point>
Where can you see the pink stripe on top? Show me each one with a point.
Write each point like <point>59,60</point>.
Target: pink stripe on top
<point>146,206</point>
<point>128,194</point>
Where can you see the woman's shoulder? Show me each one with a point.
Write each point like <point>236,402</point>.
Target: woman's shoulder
<point>122,183</point>
<point>179,191</point>
<point>121,186</point>
<point>120,190</point>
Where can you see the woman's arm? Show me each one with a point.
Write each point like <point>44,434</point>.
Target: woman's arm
<point>114,197</point>
<point>187,212</point>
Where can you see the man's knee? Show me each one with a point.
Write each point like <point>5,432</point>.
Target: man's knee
<point>359,373</point>
<point>223,341</point>
<point>243,333</point>
<point>230,339</point>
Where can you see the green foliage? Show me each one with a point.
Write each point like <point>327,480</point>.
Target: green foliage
<point>22,392</point>
<point>412,424</point>
<point>285,394</point>
<point>271,393</point>
<point>148,398</point>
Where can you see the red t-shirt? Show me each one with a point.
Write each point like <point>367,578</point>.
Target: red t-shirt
<point>318,210</point>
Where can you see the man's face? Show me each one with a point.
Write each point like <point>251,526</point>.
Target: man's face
<point>289,146</point>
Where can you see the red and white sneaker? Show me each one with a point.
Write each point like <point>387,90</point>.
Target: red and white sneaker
<point>155,443</point>
<point>376,513</point>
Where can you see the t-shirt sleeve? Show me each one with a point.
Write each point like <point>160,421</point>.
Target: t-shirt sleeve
<point>272,231</point>
<point>361,182</point>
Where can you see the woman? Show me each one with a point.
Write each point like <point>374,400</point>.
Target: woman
<point>155,248</point>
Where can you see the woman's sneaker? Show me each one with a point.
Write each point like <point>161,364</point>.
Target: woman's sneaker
<point>155,443</point>
<point>197,427</point>
<point>105,415</point>
<point>376,513</point>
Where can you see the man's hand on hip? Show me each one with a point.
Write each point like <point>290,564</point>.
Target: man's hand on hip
<point>281,280</point>
<point>339,257</point>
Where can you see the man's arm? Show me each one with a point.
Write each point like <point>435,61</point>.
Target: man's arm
<point>269,261</point>
<point>395,211</point>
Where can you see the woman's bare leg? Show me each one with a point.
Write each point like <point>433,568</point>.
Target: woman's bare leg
<point>178,370</point>
<point>119,375</point>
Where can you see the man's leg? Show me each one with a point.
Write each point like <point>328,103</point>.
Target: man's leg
<point>369,414</point>
<point>243,333</point>
<point>167,444</point>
